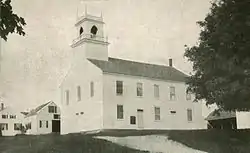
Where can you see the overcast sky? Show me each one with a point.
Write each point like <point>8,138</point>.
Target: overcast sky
<point>143,30</point>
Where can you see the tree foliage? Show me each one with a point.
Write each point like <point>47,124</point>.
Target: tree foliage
<point>221,58</point>
<point>9,21</point>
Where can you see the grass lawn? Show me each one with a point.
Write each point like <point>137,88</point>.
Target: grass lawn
<point>60,144</point>
<point>214,141</point>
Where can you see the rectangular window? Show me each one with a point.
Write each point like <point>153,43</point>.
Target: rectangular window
<point>119,87</point>
<point>119,111</point>
<point>52,109</point>
<point>4,126</point>
<point>12,116</point>
<point>92,89</point>
<point>132,120</point>
<point>156,91</point>
<point>67,97</point>
<point>172,93</point>
<point>47,124</point>
<point>40,124</point>
<point>79,93</point>
<point>157,113</point>
<point>17,126</point>
<point>173,112</point>
<point>139,89</point>
<point>28,126</point>
<point>4,116</point>
<point>189,115</point>
<point>188,95</point>
<point>56,116</point>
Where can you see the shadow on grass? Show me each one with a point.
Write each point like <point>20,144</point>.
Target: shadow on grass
<point>60,144</point>
<point>214,141</point>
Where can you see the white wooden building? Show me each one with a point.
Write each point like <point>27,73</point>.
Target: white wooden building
<point>10,121</point>
<point>44,119</point>
<point>101,93</point>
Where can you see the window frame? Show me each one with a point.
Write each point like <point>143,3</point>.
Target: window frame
<point>157,113</point>
<point>119,89</point>
<point>189,115</point>
<point>156,91</point>
<point>172,93</point>
<point>92,89</point>
<point>67,97</point>
<point>132,118</point>
<point>40,124</point>
<point>139,89</point>
<point>119,112</point>
<point>79,93</point>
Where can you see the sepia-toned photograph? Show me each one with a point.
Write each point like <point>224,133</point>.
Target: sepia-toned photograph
<point>125,76</point>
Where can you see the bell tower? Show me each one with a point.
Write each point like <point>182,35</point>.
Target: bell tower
<point>90,41</point>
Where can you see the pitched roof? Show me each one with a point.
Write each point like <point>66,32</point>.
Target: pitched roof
<point>220,114</point>
<point>132,68</point>
<point>36,110</point>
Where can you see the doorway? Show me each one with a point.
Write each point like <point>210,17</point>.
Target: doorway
<point>140,118</point>
<point>56,126</point>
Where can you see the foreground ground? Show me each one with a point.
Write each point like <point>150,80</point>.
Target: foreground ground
<point>208,141</point>
<point>60,144</point>
<point>203,141</point>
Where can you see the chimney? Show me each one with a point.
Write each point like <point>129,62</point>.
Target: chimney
<point>2,106</point>
<point>170,62</point>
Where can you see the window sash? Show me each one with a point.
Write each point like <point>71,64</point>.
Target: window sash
<point>47,124</point>
<point>17,126</point>
<point>189,115</point>
<point>120,114</point>
<point>132,120</point>
<point>188,96</point>
<point>91,89</point>
<point>157,113</point>
<point>119,87</point>
<point>79,93</point>
<point>139,89</point>
<point>156,91</point>
<point>40,124</point>
<point>67,97</point>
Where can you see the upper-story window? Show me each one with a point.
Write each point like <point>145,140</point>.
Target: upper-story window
<point>139,89</point>
<point>156,91</point>
<point>67,97</point>
<point>92,89</point>
<point>119,87</point>
<point>4,116</point>
<point>52,109</point>
<point>81,31</point>
<point>79,93</point>
<point>188,95</point>
<point>12,116</point>
<point>172,93</point>
<point>94,30</point>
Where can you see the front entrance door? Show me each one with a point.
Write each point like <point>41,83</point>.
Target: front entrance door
<point>140,118</point>
<point>56,126</point>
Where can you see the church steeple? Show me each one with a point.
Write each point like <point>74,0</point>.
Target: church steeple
<point>90,37</point>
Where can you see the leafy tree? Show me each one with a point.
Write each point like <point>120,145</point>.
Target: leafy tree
<point>221,58</point>
<point>10,22</point>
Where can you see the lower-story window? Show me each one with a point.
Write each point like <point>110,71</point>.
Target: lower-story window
<point>47,124</point>
<point>132,120</point>
<point>17,126</point>
<point>40,124</point>
<point>4,126</point>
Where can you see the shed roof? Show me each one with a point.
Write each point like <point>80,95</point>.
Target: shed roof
<point>220,114</point>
